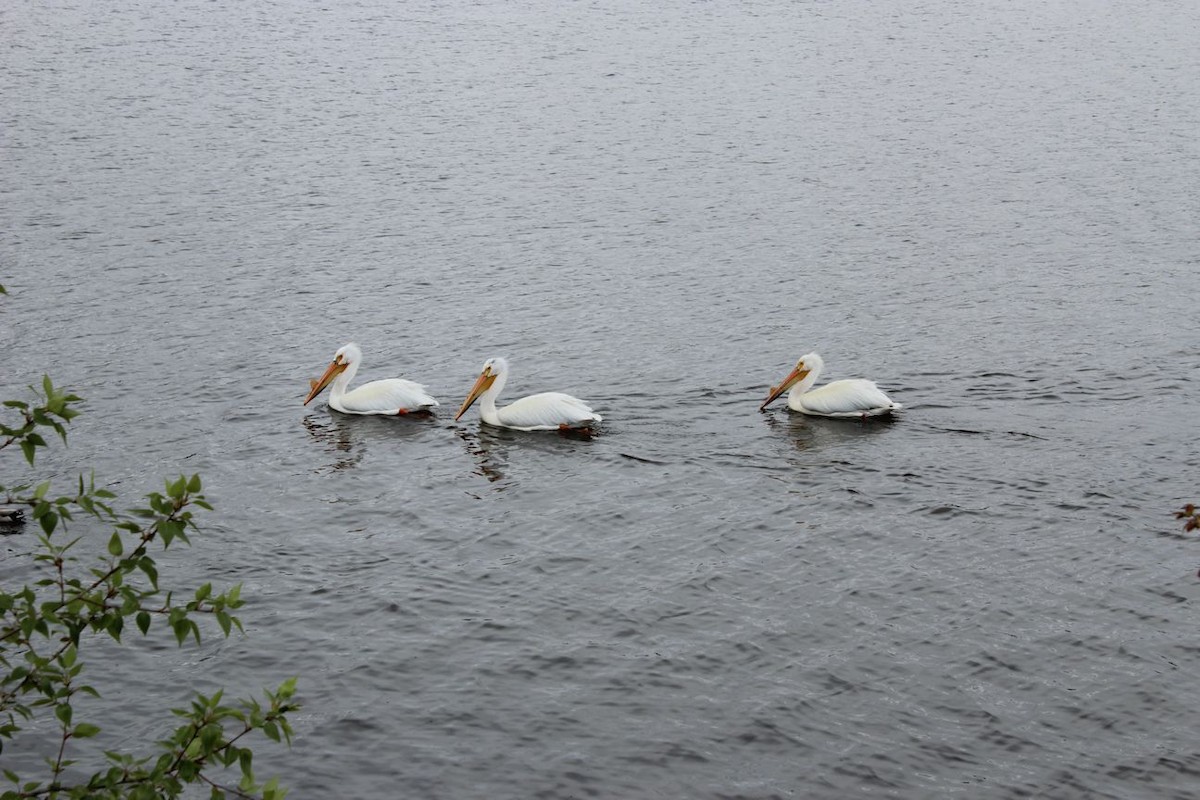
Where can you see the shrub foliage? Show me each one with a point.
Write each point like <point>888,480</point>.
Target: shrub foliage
<point>84,586</point>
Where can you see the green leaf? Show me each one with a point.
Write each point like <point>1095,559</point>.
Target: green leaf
<point>143,621</point>
<point>210,737</point>
<point>176,488</point>
<point>193,484</point>
<point>169,529</point>
<point>147,565</point>
<point>271,790</point>
<point>115,546</point>
<point>28,449</point>
<point>63,712</point>
<point>246,784</point>
<point>84,730</point>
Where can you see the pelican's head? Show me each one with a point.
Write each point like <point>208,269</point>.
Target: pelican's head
<point>346,356</point>
<point>809,364</point>
<point>493,368</point>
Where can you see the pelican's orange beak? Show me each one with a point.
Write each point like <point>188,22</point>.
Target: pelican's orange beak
<point>797,374</point>
<point>334,369</point>
<point>482,384</point>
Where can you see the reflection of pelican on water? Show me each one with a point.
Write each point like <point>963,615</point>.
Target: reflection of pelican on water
<point>347,437</point>
<point>811,433</point>
<point>488,464</point>
<point>338,437</point>
<point>491,448</point>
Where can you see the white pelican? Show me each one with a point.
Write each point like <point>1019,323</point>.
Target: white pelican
<point>845,398</point>
<point>390,396</point>
<point>547,411</point>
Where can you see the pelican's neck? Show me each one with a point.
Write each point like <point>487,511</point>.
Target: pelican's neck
<point>337,389</point>
<point>487,400</point>
<point>814,365</point>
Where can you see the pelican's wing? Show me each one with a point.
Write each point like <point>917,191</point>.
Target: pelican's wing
<point>547,411</point>
<point>388,397</point>
<point>848,398</point>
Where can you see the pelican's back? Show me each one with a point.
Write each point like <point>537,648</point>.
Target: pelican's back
<point>388,396</point>
<point>846,398</point>
<point>547,411</point>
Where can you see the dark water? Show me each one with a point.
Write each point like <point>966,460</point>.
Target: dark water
<point>988,208</point>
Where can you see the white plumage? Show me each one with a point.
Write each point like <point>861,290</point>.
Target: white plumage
<point>388,396</point>
<point>845,398</point>
<point>537,412</point>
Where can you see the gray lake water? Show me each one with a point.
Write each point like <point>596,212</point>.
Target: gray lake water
<point>988,208</point>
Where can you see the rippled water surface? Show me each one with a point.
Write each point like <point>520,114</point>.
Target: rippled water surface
<point>988,208</point>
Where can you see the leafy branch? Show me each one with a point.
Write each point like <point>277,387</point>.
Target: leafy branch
<point>43,628</point>
<point>41,413</point>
